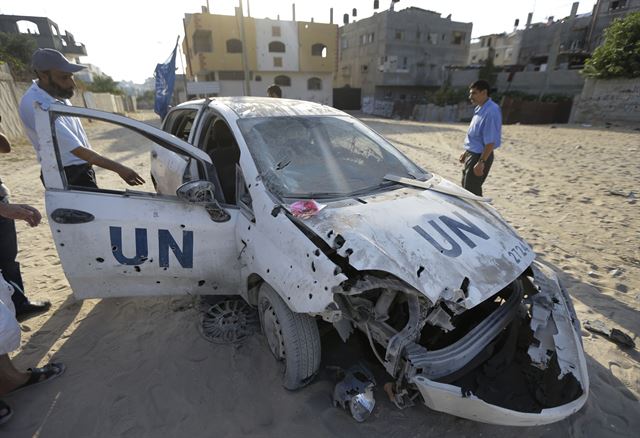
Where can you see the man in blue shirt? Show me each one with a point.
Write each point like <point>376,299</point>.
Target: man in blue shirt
<point>482,137</point>
<point>55,84</point>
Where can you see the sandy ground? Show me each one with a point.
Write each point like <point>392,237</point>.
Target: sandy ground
<point>139,368</point>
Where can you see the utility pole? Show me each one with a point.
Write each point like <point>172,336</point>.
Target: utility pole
<point>245,61</point>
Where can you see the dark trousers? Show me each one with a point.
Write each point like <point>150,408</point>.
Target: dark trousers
<point>470,181</point>
<point>8,252</point>
<point>79,175</point>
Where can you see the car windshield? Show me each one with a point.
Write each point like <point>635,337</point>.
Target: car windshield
<point>322,157</point>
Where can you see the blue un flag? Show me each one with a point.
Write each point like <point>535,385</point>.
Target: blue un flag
<point>165,75</point>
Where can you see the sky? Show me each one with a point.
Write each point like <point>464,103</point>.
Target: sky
<point>127,38</point>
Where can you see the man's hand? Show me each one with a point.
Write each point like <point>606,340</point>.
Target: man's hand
<point>22,212</point>
<point>127,174</point>
<point>478,169</point>
<point>130,176</point>
<point>461,159</point>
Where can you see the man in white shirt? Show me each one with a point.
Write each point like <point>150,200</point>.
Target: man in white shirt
<point>55,84</point>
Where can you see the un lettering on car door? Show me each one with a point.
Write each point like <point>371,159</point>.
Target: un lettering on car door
<point>166,241</point>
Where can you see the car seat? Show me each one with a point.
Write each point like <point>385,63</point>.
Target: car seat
<point>225,155</point>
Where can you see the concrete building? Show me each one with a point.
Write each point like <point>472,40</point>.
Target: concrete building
<point>397,55</point>
<point>298,56</point>
<point>45,33</point>
<point>88,74</point>
<point>558,44</point>
<point>502,48</point>
<point>568,42</point>
<point>604,12</point>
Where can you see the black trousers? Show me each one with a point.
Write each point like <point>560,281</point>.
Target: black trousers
<point>470,181</point>
<point>79,175</point>
<point>10,267</point>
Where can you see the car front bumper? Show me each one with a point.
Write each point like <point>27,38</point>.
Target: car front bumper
<point>555,329</point>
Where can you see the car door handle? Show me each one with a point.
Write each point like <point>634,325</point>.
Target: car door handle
<point>69,216</point>
<point>154,154</point>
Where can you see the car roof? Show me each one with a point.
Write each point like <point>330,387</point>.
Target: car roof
<point>248,107</point>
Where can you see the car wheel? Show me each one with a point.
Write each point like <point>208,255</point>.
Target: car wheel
<point>293,338</point>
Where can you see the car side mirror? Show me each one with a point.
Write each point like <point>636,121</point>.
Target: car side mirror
<point>202,192</point>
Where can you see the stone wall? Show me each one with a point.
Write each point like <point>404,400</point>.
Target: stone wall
<point>613,101</point>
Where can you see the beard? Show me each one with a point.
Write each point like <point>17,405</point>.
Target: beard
<point>61,93</point>
<point>57,91</point>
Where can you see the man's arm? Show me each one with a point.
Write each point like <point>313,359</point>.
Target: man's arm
<point>5,146</point>
<point>129,175</point>
<point>21,211</point>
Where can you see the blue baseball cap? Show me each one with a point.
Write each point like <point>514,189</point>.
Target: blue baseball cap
<point>50,59</point>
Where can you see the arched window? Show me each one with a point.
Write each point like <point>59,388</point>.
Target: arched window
<point>276,47</point>
<point>234,46</point>
<point>319,49</point>
<point>314,84</point>
<point>283,81</point>
<point>26,26</point>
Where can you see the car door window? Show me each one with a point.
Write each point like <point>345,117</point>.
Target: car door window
<point>180,122</point>
<point>121,144</point>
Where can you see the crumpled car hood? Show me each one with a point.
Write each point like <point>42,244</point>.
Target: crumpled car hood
<point>432,241</point>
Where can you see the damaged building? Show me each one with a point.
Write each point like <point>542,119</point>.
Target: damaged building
<point>397,55</point>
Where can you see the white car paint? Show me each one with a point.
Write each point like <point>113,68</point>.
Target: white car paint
<point>379,232</point>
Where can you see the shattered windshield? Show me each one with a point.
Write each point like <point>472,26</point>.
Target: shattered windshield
<point>322,157</point>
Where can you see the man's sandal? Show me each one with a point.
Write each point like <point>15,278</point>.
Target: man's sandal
<point>39,375</point>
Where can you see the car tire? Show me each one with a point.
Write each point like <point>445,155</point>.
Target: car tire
<point>293,338</point>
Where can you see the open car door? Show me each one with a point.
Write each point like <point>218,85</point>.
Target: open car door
<point>115,243</point>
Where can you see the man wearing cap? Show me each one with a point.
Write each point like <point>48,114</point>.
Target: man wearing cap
<point>55,84</point>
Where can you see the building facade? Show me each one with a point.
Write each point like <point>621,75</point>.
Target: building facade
<point>503,49</point>
<point>297,56</point>
<point>397,55</point>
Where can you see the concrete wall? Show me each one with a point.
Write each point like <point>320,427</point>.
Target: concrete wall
<point>462,78</point>
<point>567,82</point>
<point>616,100</point>
<point>105,102</point>
<point>10,94</point>
<point>425,113</point>
<point>448,113</point>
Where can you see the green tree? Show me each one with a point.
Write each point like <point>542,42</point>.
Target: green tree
<point>488,71</point>
<point>16,50</point>
<point>619,56</point>
<point>104,84</point>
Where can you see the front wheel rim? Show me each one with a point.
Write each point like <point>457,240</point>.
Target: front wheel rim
<point>273,332</point>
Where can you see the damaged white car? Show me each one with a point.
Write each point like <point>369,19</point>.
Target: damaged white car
<point>309,215</point>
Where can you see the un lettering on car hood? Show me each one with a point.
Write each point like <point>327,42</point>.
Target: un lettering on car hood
<point>431,240</point>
